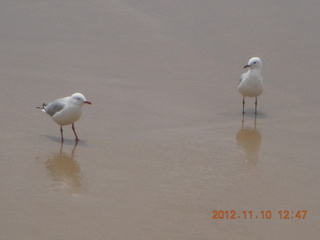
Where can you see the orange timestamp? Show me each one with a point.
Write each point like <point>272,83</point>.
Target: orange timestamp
<point>264,214</point>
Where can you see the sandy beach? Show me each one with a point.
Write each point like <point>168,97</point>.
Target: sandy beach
<point>164,146</point>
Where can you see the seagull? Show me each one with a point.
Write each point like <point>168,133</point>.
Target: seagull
<point>251,82</point>
<point>66,111</point>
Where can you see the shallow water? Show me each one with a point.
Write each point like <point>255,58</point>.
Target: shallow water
<point>164,143</point>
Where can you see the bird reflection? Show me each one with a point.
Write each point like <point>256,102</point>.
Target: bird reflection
<point>64,170</point>
<point>249,140</point>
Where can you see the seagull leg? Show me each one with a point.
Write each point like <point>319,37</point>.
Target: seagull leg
<point>61,133</point>
<point>243,102</point>
<point>242,120</point>
<point>256,103</point>
<point>77,139</point>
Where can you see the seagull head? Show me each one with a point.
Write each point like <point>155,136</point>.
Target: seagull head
<point>79,99</point>
<point>254,63</point>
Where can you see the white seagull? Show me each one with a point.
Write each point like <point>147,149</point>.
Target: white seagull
<point>66,111</point>
<point>251,82</point>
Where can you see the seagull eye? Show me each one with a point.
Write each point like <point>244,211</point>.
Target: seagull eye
<point>254,62</point>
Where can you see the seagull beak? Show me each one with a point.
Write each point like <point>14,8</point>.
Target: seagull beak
<point>87,102</point>
<point>246,66</point>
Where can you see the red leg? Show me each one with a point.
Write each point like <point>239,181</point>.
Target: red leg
<point>61,131</point>
<point>256,103</point>
<point>243,102</point>
<point>77,139</point>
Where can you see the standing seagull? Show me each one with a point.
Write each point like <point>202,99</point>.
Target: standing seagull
<point>65,111</point>
<point>251,82</point>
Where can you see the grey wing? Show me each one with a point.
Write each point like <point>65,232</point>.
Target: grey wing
<point>243,75</point>
<point>54,107</point>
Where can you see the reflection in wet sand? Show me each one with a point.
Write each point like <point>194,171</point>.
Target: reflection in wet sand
<point>249,140</point>
<point>65,170</point>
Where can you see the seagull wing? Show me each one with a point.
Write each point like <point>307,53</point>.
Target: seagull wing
<point>243,76</point>
<point>54,107</point>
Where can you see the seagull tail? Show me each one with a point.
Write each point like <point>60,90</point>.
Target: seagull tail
<point>43,108</point>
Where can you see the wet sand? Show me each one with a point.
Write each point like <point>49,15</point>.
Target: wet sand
<point>164,143</point>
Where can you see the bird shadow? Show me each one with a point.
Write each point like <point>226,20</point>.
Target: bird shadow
<point>249,141</point>
<point>66,141</point>
<point>65,171</point>
<point>250,113</point>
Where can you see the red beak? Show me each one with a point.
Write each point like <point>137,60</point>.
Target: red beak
<point>87,102</point>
